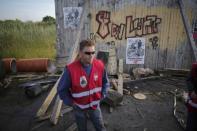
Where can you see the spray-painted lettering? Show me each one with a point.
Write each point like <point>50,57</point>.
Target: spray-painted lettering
<point>154,41</point>
<point>132,28</point>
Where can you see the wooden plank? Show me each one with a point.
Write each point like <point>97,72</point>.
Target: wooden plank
<point>175,72</point>
<point>48,100</point>
<point>188,29</point>
<point>126,81</point>
<point>73,127</point>
<point>178,70</point>
<point>170,53</point>
<point>56,110</point>
<point>48,115</point>
<point>58,104</point>
<point>166,15</point>
<point>112,65</point>
<point>120,66</point>
<point>66,110</point>
<point>120,84</point>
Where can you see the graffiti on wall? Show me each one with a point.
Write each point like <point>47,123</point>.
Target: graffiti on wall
<point>103,18</point>
<point>93,37</point>
<point>154,42</point>
<point>133,27</point>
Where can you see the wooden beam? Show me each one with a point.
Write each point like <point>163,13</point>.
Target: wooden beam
<point>66,110</point>
<point>73,127</point>
<point>48,115</point>
<point>56,110</point>
<point>48,100</point>
<point>188,29</point>
<point>142,79</point>
<point>120,84</point>
<point>58,104</point>
<point>120,66</point>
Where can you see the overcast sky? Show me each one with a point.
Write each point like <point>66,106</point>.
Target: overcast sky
<point>26,10</point>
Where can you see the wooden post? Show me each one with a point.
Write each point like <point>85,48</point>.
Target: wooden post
<point>188,29</point>
<point>120,66</point>
<point>120,84</point>
<point>58,104</point>
<point>112,62</point>
<point>120,76</point>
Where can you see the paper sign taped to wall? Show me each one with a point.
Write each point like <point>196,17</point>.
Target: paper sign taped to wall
<point>135,50</point>
<point>72,17</point>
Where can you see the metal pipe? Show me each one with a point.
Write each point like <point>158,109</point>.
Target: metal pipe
<point>10,65</point>
<point>34,65</point>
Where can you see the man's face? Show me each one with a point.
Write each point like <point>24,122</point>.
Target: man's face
<point>87,55</point>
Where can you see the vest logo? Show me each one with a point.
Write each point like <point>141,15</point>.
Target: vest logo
<point>83,81</point>
<point>95,77</point>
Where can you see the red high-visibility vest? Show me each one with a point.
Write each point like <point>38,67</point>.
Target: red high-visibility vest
<point>86,90</point>
<point>192,103</point>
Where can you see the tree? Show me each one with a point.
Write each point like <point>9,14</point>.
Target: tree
<point>48,19</point>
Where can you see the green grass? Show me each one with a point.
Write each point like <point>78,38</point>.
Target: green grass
<point>27,40</point>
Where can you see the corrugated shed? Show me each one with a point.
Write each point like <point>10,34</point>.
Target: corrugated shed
<point>166,47</point>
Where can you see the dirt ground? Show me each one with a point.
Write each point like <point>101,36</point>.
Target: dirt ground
<point>155,113</point>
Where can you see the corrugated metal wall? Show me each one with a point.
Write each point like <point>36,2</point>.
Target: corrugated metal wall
<point>158,21</point>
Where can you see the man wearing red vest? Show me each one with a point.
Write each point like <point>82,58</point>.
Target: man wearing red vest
<point>83,84</point>
<point>192,99</point>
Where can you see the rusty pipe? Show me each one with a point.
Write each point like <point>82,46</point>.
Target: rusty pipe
<point>34,65</point>
<point>10,65</point>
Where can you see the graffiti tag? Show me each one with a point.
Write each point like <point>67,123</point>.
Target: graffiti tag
<point>133,27</point>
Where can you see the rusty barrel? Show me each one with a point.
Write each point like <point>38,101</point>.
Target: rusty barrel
<point>33,65</point>
<point>10,65</point>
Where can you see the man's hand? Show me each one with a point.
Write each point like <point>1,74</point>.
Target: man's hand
<point>193,95</point>
<point>185,97</point>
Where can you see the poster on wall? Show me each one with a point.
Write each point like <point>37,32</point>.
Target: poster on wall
<point>135,50</point>
<point>72,17</point>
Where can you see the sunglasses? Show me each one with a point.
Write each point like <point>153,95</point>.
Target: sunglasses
<point>89,53</point>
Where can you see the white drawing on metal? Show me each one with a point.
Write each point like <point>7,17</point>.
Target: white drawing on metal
<point>72,17</point>
<point>135,51</point>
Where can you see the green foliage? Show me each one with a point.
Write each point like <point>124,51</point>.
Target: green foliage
<point>27,40</point>
<point>48,19</point>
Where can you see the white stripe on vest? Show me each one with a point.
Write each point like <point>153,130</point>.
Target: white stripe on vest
<point>88,105</point>
<point>192,103</point>
<point>86,93</point>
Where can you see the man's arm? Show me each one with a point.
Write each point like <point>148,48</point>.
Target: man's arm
<point>106,84</point>
<point>64,88</point>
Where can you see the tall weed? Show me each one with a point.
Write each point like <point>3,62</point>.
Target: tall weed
<point>27,40</point>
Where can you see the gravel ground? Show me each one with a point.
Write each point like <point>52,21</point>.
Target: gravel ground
<point>155,113</point>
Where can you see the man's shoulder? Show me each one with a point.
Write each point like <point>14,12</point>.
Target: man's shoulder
<point>73,64</point>
<point>98,63</point>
